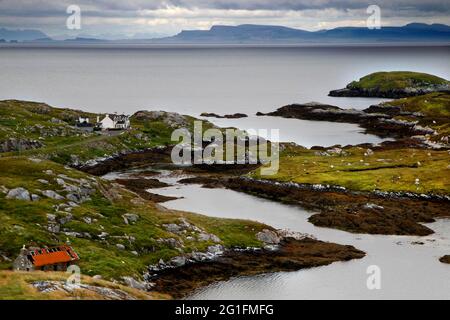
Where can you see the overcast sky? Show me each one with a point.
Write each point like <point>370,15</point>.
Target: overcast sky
<point>167,17</point>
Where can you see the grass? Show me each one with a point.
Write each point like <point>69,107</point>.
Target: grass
<point>434,109</point>
<point>433,105</point>
<point>385,81</point>
<point>24,222</point>
<point>389,170</point>
<point>17,286</point>
<point>62,142</point>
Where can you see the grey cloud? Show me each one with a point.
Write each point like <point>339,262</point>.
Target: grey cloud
<point>42,13</point>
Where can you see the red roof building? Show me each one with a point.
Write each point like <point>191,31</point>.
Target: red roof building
<point>54,258</point>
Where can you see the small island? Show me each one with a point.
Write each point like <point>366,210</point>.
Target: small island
<point>227,116</point>
<point>394,84</point>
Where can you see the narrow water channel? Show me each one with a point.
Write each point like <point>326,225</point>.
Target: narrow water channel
<point>409,265</point>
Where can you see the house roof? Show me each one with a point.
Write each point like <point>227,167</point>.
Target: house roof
<point>49,256</point>
<point>117,117</point>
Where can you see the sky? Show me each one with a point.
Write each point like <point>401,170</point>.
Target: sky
<point>154,18</point>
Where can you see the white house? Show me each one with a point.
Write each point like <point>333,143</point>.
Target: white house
<point>114,122</point>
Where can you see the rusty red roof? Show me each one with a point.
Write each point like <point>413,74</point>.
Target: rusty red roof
<point>54,255</point>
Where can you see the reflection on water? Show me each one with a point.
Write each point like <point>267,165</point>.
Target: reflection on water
<point>408,270</point>
<point>306,133</point>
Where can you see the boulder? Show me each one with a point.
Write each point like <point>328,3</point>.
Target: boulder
<point>120,246</point>
<point>131,217</point>
<point>133,283</point>
<point>52,194</point>
<point>268,237</point>
<point>19,194</point>
<point>217,249</point>
<point>172,227</point>
<point>178,261</point>
<point>208,237</point>
<point>54,228</point>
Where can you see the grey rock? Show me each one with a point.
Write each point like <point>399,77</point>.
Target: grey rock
<point>172,227</point>
<point>52,194</point>
<point>217,249</point>
<point>199,256</point>
<point>131,282</point>
<point>289,234</point>
<point>74,234</point>
<point>120,246</point>
<point>35,197</point>
<point>43,181</point>
<point>73,197</point>
<point>103,235</point>
<point>178,261</point>
<point>97,277</point>
<point>68,217</point>
<point>54,228</point>
<point>134,253</point>
<point>60,181</point>
<point>372,206</point>
<point>51,217</point>
<point>208,237</point>
<point>19,194</point>
<point>131,217</point>
<point>268,237</point>
<point>87,220</point>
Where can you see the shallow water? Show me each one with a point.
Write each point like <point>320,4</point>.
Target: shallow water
<point>306,133</point>
<point>408,271</point>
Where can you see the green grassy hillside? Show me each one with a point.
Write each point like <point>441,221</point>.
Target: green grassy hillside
<point>407,170</point>
<point>385,81</point>
<point>61,203</point>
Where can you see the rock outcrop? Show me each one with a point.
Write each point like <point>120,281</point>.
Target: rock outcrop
<point>19,194</point>
<point>227,116</point>
<point>16,144</point>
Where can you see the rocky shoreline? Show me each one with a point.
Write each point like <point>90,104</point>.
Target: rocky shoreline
<point>141,185</point>
<point>359,212</point>
<point>227,116</point>
<point>391,94</point>
<point>374,120</point>
<point>290,255</point>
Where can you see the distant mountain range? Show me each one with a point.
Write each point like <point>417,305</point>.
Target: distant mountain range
<point>21,35</point>
<point>263,34</point>
<point>414,32</point>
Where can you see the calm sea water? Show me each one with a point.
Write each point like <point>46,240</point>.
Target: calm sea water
<point>191,80</point>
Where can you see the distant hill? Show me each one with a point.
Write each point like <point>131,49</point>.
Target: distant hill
<point>264,34</point>
<point>414,32</point>
<point>21,35</point>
